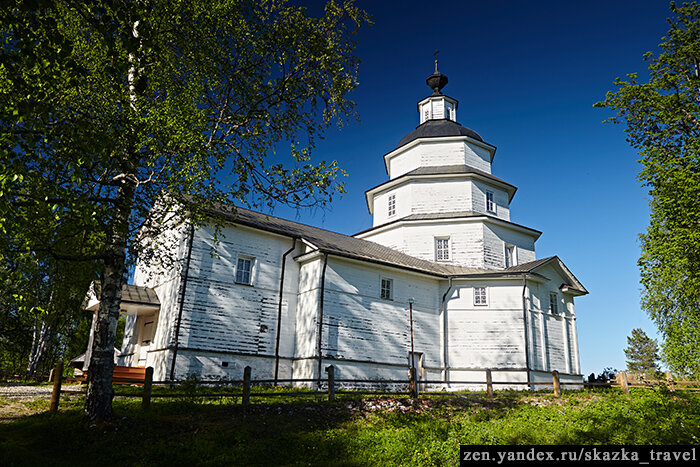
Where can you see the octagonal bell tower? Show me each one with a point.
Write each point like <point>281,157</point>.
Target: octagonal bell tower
<point>441,202</point>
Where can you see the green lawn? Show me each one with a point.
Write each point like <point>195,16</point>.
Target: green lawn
<point>350,431</point>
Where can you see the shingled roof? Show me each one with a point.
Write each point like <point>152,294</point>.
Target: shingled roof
<point>457,169</point>
<point>438,128</point>
<point>343,245</point>
<point>572,283</point>
<point>338,244</point>
<point>449,215</point>
<point>139,295</point>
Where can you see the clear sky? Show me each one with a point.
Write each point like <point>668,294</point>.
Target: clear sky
<point>526,74</point>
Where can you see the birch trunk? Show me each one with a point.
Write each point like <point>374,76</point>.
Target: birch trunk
<point>40,340</point>
<point>98,403</point>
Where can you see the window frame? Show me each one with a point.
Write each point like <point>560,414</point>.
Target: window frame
<point>477,296</point>
<point>390,282</point>
<point>513,259</point>
<point>490,202</point>
<point>251,260</point>
<point>447,250</point>
<point>554,303</point>
<point>391,205</point>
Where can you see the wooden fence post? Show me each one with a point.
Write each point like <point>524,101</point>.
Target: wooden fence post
<point>147,389</point>
<point>489,383</point>
<point>669,378</point>
<point>555,381</point>
<point>56,394</point>
<point>246,385</point>
<point>623,382</point>
<point>330,369</point>
<point>414,383</point>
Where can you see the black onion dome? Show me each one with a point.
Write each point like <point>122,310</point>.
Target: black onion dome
<point>436,81</point>
<point>438,128</point>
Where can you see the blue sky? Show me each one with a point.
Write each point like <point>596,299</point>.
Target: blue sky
<point>526,75</point>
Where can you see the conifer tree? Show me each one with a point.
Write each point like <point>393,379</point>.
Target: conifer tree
<point>642,352</point>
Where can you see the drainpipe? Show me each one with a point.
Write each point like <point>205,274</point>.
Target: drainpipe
<point>320,316</point>
<point>279,309</point>
<point>527,340</point>
<point>185,275</point>
<point>444,331</point>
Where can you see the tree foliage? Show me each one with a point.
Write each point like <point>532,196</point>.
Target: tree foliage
<point>662,118</point>
<point>114,112</point>
<point>642,353</point>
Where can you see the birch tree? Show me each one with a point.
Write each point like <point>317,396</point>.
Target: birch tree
<point>662,118</point>
<point>114,112</point>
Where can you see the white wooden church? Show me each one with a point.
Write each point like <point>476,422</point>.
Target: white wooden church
<point>289,299</point>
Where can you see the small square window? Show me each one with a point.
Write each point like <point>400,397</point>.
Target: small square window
<point>490,205</point>
<point>387,289</point>
<point>392,205</point>
<point>244,270</point>
<point>480,296</point>
<point>553,303</point>
<point>442,249</point>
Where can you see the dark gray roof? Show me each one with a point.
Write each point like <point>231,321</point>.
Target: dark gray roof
<point>528,267</point>
<point>351,247</point>
<point>438,128</point>
<point>450,170</point>
<point>139,294</point>
<point>343,245</point>
<point>455,169</point>
<point>448,215</point>
<point>532,265</point>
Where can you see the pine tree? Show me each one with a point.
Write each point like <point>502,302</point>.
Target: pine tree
<point>642,352</point>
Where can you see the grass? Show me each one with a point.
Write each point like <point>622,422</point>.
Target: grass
<point>350,431</point>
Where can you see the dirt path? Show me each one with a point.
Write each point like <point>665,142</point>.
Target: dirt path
<point>20,400</point>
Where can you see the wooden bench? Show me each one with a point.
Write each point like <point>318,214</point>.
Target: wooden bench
<point>123,375</point>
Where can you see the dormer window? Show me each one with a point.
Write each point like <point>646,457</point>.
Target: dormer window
<point>391,205</point>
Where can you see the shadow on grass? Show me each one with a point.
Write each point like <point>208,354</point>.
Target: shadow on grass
<point>178,432</point>
<point>353,431</point>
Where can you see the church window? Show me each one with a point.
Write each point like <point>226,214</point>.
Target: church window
<point>480,296</point>
<point>553,303</point>
<point>448,111</point>
<point>490,205</point>
<point>442,249</point>
<point>509,255</point>
<point>392,205</point>
<point>387,289</point>
<point>244,270</point>
<point>425,112</point>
